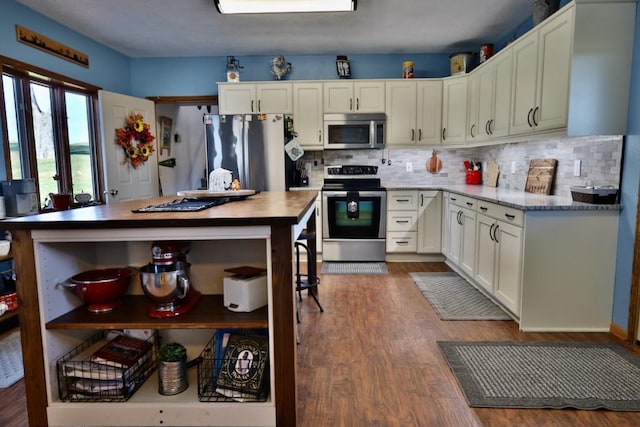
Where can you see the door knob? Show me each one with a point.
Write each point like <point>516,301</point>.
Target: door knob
<point>112,192</point>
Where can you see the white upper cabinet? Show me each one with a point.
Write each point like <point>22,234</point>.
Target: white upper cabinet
<point>307,115</point>
<point>572,71</point>
<point>473,104</point>
<point>413,112</point>
<point>490,98</point>
<point>248,98</point>
<point>454,110</point>
<point>541,76</point>
<point>365,96</point>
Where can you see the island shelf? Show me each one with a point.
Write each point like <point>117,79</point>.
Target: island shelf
<point>209,313</point>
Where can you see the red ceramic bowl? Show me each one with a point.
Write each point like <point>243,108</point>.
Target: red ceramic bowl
<point>102,289</point>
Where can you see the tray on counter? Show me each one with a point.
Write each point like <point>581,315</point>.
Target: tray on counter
<point>206,194</point>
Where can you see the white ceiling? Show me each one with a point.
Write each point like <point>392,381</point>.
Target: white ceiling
<point>175,28</point>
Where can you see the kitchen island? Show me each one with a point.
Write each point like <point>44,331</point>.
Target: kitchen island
<point>51,247</point>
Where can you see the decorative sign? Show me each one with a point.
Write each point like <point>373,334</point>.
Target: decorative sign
<point>45,44</point>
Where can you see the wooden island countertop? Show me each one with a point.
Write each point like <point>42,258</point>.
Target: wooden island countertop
<point>285,213</point>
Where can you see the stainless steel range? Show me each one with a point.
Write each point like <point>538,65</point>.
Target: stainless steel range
<point>354,208</point>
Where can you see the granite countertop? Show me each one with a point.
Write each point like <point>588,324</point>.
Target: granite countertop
<point>518,199</point>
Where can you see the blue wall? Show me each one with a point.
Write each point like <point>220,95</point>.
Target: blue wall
<point>198,76</point>
<point>108,69</point>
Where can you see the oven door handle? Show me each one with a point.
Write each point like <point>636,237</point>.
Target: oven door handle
<point>366,193</point>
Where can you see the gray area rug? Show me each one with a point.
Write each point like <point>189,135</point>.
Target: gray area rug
<point>453,298</point>
<point>354,268</point>
<point>545,375</point>
<point>11,369</point>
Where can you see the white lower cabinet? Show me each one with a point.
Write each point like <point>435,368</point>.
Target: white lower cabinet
<point>430,222</point>
<point>498,268</point>
<point>462,232</point>
<point>402,221</point>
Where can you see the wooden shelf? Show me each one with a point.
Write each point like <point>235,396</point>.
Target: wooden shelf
<point>209,313</point>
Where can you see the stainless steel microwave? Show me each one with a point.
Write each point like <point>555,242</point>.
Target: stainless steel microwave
<point>354,131</point>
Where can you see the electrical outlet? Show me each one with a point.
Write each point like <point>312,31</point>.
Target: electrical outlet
<point>576,167</point>
<point>513,167</point>
<point>409,167</point>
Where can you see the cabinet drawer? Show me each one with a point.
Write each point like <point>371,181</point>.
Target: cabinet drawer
<point>502,213</point>
<point>398,241</point>
<point>463,201</point>
<point>402,221</point>
<point>402,200</point>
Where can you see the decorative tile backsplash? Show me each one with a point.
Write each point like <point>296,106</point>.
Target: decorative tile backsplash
<point>600,156</point>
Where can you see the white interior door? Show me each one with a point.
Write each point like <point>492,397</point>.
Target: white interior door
<point>123,182</point>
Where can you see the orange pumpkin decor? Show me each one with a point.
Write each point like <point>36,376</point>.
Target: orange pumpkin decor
<point>434,164</point>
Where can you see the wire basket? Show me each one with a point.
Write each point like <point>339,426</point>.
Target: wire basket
<point>213,359</point>
<point>81,380</point>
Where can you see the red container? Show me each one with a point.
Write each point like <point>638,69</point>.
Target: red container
<point>474,177</point>
<point>11,299</point>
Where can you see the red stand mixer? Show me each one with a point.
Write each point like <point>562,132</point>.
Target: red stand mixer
<point>166,280</point>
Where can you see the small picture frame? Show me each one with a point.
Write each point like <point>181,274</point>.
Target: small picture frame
<point>165,134</point>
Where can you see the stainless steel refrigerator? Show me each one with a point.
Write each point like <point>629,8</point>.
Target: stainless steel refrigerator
<point>251,146</point>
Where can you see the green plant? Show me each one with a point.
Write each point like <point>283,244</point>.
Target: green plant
<point>172,352</point>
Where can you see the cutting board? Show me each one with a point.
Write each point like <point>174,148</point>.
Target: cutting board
<point>493,172</point>
<point>540,176</point>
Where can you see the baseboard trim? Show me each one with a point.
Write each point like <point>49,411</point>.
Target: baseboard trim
<point>618,332</point>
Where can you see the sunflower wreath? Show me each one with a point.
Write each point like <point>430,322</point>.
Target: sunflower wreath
<point>136,140</point>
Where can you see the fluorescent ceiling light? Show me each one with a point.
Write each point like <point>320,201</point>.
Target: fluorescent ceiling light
<point>283,6</point>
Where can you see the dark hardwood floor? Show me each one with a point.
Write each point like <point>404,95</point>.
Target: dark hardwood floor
<point>371,360</point>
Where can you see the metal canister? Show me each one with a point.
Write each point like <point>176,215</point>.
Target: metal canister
<point>407,70</point>
<point>486,50</point>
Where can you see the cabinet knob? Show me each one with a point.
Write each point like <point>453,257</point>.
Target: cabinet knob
<point>529,118</point>
<point>535,123</point>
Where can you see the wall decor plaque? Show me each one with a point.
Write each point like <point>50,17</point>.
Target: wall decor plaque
<point>45,44</point>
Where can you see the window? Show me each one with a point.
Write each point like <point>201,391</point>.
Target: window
<point>50,131</point>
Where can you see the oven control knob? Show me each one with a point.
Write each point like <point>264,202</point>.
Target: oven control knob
<point>352,206</point>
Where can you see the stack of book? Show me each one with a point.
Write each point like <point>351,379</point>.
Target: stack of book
<point>106,369</point>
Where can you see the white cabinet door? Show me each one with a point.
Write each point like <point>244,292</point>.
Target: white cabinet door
<point>554,65</point>
<point>274,98</point>
<point>455,233</point>
<point>237,98</point>
<point>369,96</point>
<point>414,112</point>
<point>400,105</point>
<point>454,110</point>
<point>430,222</point>
<point>541,74</point>
<point>509,254</point>
<point>468,245</point>
<point>307,114</point>
<point>525,64</point>
<point>485,252</point>
<point>473,106</point>
<point>486,100</point>
<point>429,112</point>
<point>349,97</point>
<point>338,97</point>
<point>503,64</point>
